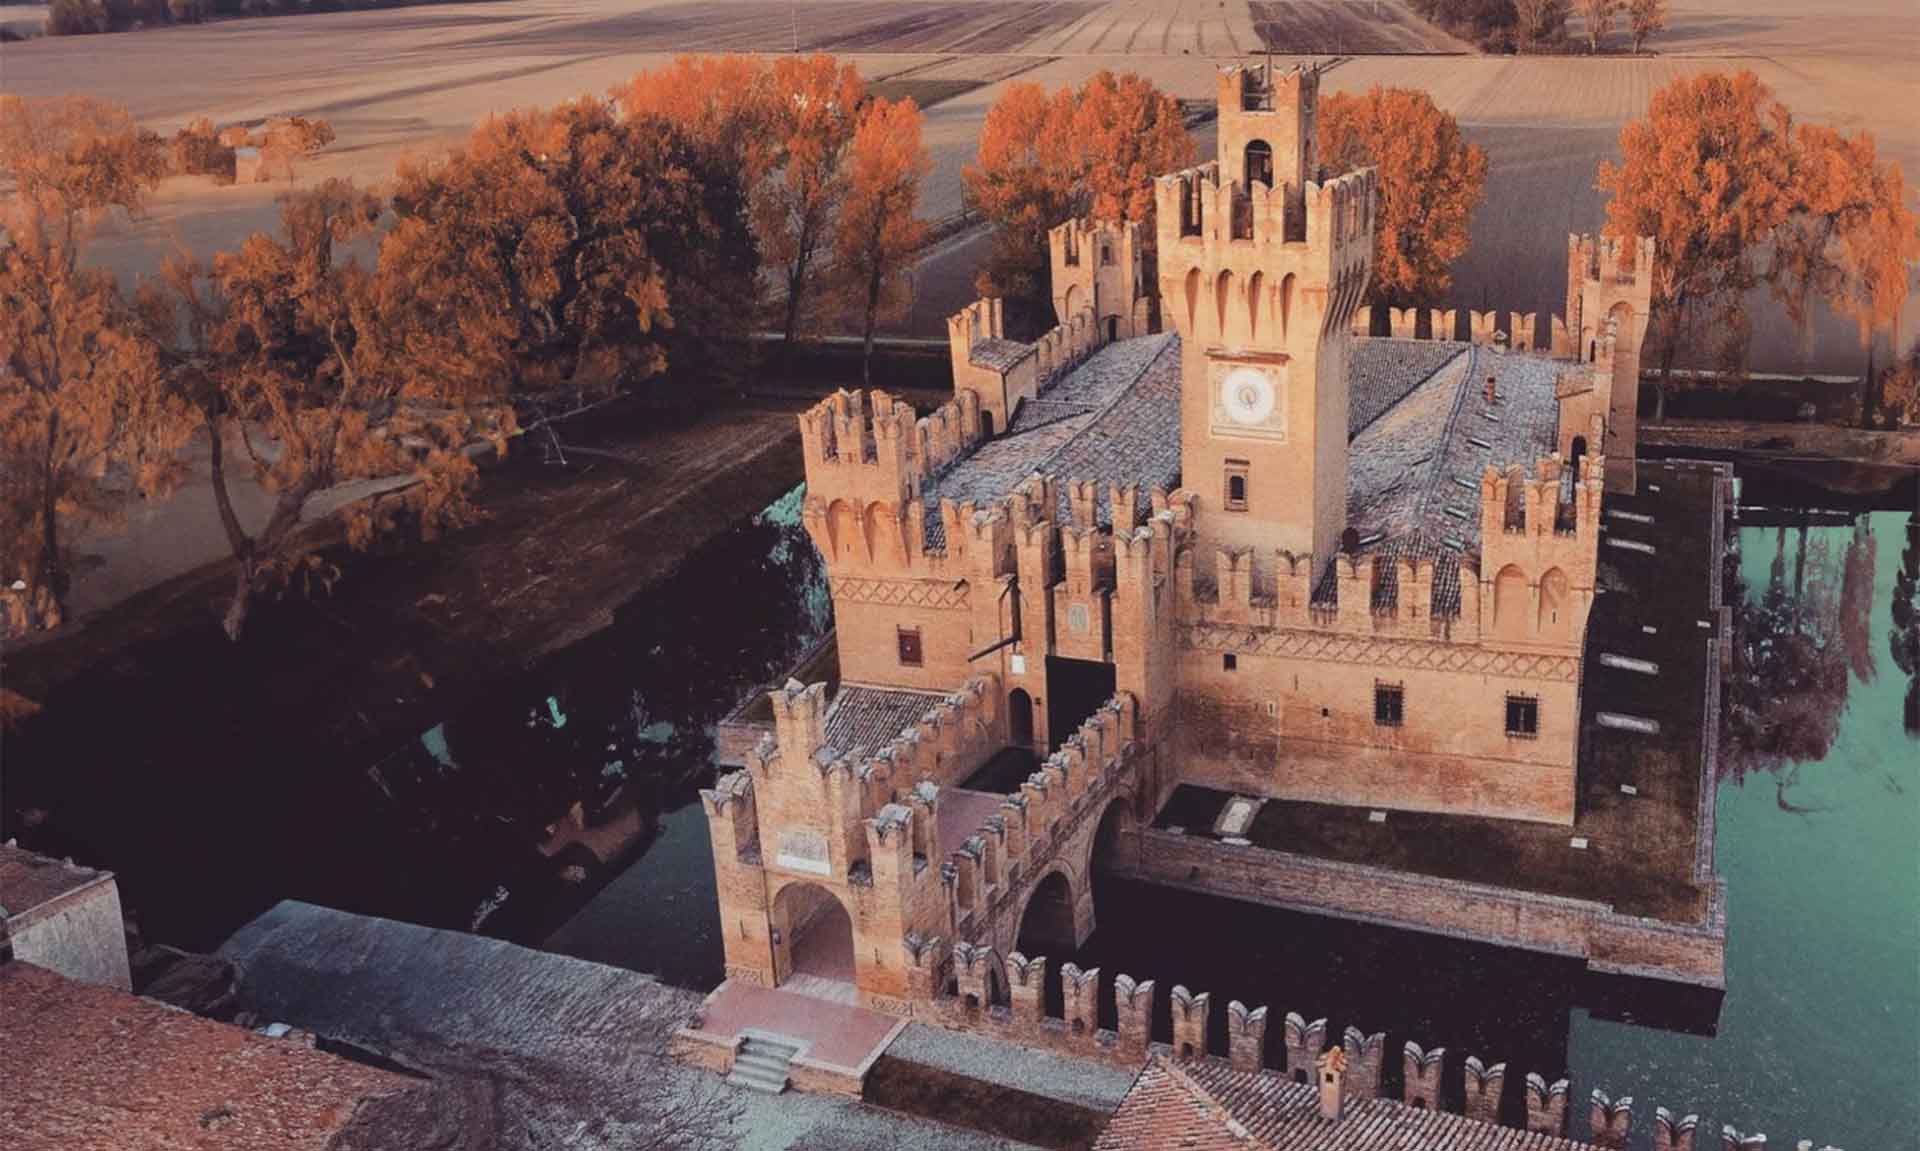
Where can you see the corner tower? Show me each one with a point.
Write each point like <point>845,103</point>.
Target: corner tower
<point>1261,271</point>
<point>1609,299</point>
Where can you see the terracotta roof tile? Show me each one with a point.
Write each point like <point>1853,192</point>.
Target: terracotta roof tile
<point>90,1068</point>
<point>1208,1105</point>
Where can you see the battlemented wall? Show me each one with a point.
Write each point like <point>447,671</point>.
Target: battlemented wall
<point>1100,267</point>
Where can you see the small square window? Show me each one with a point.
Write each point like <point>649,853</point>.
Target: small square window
<point>1236,486</point>
<point>910,655</point>
<point>1230,662</point>
<point>1523,716</point>
<point>1389,704</point>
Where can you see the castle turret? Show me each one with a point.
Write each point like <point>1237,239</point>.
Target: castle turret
<point>1261,272</point>
<point>1099,267</point>
<point>1610,293</point>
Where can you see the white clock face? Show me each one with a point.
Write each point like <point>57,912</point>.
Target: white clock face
<point>1246,395</point>
<point>1250,399</point>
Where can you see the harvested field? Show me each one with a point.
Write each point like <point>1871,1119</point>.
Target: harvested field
<point>398,81</point>
<point>1350,27</point>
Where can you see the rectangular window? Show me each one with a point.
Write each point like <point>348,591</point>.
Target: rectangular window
<point>1523,716</point>
<point>1389,704</point>
<point>1106,254</point>
<point>1236,489</point>
<point>1230,662</point>
<point>910,647</point>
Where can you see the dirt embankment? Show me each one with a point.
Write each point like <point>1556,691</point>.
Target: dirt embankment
<point>411,628</point>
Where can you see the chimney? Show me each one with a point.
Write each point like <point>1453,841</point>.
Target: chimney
<point>1333,1079</point>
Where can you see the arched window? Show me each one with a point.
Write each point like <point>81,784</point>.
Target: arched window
<point>1259,163</point>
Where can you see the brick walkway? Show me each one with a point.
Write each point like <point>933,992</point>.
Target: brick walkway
<point>832,1033</point>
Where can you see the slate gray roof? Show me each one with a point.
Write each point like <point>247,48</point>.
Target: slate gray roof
<point>1412,493</point>
<point>1113,419</point>
<point>1380,373</point>
<point>998,354</point>
<point>866,719</point>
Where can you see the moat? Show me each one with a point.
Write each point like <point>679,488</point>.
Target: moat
<point>1815,811</point>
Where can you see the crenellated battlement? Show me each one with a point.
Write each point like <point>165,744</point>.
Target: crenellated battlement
<point>1539,551</point>
<point>872,447</point>
<point>1002,998</point>
<point>1001,374</point>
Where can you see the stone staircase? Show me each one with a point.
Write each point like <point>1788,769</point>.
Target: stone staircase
<point>761,1064</point>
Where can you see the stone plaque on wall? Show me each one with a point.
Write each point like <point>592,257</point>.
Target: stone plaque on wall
<point>804,851</point>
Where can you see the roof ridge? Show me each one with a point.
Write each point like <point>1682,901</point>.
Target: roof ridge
<point>1418,536</point>
<point>1211,1103</point>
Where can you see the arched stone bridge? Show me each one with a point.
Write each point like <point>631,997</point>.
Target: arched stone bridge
<point>1023,880</point>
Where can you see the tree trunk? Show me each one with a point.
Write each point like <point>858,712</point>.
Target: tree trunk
<point>1869,392</point>
<point>53,575</point>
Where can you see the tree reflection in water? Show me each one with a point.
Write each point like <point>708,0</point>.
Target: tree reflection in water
<point>1903,639</point>
<point>1801,644</point>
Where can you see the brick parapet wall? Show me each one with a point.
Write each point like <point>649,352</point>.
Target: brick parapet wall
<point>1608,940</point>
<point>1019,1016</point>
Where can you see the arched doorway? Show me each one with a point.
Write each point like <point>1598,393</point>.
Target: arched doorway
<point>816,934</point>
<point>1259,163</point>
<point>1019,718</point>
<point>1113,328</point>
<point>1579,453</point>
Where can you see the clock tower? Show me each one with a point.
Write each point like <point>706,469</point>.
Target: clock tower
<point>1261,271</point>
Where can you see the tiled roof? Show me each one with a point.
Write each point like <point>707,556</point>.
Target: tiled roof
<point>1410,493</point>
<point>1380,373</point>
<point>998,354</point>
<point>1207,1105</point>
<point>1113,419</point>
<point>28,881</point>
<point>866,719</point>
<point>90,1068</point>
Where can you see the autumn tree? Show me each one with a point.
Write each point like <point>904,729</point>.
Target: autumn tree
<point>1849,240</point>
<point>1737,196</point>
<point>1539,22</point>
<point>569,252</point>
<point>1431,180</point>
<point>814,112</point>
<point>1598,16</point>
<point>878,229</point>
<point>1708,175</point>
<point>199,151</point>
<point>284,348</point>
<point>1903,638</point>
<point>1645,18</point>
<point>1045,159</point>
<point>295,137</point>
<point>83,416</point>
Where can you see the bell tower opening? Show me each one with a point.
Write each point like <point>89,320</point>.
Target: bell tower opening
<point>1259,166</point>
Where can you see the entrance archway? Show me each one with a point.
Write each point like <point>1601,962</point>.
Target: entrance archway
<point>1075,690</point>
<point>1020,718</point>
<point>1579,453</point>
<point>816,933</point>
<point>1113,328</point>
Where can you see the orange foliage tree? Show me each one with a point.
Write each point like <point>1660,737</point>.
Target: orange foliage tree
<point>1431,180</point>
<point>282,347</point>
<point>879,231</point>
<point>1707,173</point>
<point>84,417</point>
<point>814,111</point>
<point>785,129</point>
<point>1045,159</point>
<point>1736,196</point>
<point>1850,240</point>
<point>568,251</point>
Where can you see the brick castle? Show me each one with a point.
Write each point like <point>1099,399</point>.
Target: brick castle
<point>1208,530</point>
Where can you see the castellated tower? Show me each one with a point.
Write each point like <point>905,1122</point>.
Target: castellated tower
<point>1099,266</point>
<point>1261,271</point>
<point>1610,295</point>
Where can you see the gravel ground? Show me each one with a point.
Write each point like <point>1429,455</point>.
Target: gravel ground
<point>1076,1081</point>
